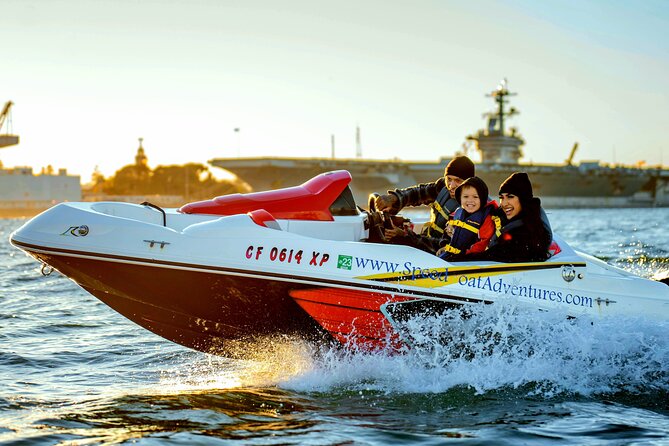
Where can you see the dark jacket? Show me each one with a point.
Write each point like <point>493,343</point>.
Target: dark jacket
<point>525,238</point>
<point>432,238</point>
<point>420,194</point>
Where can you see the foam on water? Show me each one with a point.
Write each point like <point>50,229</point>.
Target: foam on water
<point>501,347</point>
<point>270,361</point>
<point>494,348</point>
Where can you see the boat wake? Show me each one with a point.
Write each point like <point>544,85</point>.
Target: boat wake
<point>499,347</point>
<point>493,348</point>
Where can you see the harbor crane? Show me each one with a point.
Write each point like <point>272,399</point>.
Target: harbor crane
<point>6,138</point>
<point>571,154</point>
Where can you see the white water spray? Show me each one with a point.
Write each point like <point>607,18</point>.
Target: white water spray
<point>499,347</point>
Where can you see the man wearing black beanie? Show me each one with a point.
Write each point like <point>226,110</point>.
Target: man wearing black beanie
<point>439,195</point>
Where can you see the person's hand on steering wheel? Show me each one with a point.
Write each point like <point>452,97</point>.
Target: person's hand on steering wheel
<point>385,203</point>
<point>381,223</point>
<point>394,231</point>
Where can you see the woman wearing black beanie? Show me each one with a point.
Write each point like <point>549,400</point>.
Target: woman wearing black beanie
<point>523,234</point>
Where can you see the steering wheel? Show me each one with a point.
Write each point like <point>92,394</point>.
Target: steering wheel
<point>376,220</point>
<point>371,202</point>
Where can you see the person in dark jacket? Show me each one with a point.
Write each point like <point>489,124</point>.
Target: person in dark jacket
<point>524,234</point>
<point>439,195</point>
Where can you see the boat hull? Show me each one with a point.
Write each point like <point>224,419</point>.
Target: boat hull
<point>214,311</point>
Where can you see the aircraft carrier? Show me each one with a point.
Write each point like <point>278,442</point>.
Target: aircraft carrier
<point>568,185</point>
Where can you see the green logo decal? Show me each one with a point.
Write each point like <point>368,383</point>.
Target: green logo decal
<point>344,262</point>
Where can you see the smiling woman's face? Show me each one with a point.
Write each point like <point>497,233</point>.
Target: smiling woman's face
<point>510,204</point>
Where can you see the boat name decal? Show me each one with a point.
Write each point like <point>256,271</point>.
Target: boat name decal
<point>374,264</point>
<point>314,258</point>
<point>532,292</point>
<point>409,271</point>
<point>286,255</point>
<point>415,272</point>
<point>77,231</point>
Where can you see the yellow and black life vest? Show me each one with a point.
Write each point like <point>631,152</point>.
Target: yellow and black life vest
<point>440,213</point>
<point>466,230</point>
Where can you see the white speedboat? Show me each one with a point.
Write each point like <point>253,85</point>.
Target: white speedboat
<point>303,260</point>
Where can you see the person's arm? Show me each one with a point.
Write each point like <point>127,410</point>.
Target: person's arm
<point>501,252</point>
<point>422,242</point>
<point>420,194</point>
<point>546,222</point>
<point>486,232</point>
<point>516,247</point>
<point>428,244</point>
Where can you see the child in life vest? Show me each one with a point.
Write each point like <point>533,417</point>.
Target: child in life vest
<point>472,225</point>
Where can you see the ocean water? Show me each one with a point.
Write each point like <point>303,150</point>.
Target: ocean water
<point>74,372</point>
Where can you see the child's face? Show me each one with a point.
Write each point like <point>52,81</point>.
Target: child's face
<point>469,199</point>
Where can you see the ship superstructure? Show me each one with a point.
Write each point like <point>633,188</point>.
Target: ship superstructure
<point>496,145</point>
<point>588,184</point>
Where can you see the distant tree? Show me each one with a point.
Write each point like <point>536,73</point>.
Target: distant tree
<point>177,179</point>
<point>193,181</point>
<point>129,180</point>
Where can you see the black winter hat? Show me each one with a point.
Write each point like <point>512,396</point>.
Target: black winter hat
<point>517,184</point>
<point>461,167</point>
<point>476,183</point>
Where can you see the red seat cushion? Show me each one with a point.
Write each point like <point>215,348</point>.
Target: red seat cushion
<point>308,201</point>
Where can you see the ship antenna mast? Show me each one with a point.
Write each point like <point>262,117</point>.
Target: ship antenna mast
<point>499,95</point>
<point>495,145</point>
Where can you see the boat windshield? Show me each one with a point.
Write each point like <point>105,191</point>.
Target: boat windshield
<point>344,204</point>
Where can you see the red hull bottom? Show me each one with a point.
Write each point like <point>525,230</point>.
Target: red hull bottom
<point>367,321</point>
<point>352,317</point>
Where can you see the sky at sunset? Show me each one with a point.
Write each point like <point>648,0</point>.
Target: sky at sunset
<point>89,77</point>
